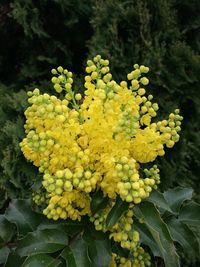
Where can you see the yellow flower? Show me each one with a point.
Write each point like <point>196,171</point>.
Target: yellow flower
<point>97,143</point>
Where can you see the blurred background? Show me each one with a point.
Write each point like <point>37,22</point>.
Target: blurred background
<point>36,36</point>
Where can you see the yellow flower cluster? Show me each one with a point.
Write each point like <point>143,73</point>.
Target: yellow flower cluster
<point>121,232</point>
<point>41,197</point>
<point>97,143</point>
<point>70,205</point>
<point>138,258</point>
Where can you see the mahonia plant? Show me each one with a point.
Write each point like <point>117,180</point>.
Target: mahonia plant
<point>98,142</point>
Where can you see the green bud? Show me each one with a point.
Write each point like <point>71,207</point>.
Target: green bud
<point>58,88</point>
<point>54,71</point>
<point>54,80</point>
<point>68,86</point>
<point>60,69</point>
<point>78,97</point>
<point>144,81</point>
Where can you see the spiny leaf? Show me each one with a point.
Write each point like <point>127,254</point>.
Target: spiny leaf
<point>146,237</point>
<point>159,200</point>
<point>79,249</point>
<point>14,259</point>
<point>184,236</point>
<point>175,197</point>
<point>42,241</point>
<point>159,231</point>
<point>116,212</point>
<point>190,214</point>
<point>4,252</point>
<point>98,245</point>
<point>20,213</point>
<point>68,226</point>
<point>40,260</point>
<point>98,201</point>
<point>7,229</point>
<point>68,256</point>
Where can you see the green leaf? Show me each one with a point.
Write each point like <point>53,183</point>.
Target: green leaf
<point>40,260</point>
<point>159,231</point>
<point>184,236</point>
<point>146,237</point>
<point>68,256</point>
<point>116,212</point>
<point>69,226</point>
<point>79,249</point>
<point>190,214</point>
<point>159,200</point>
<point>37,184</point>
<point>4,252</point>
<point>99,253</point>
<point>20,213</point>
<point>117,249</point>
<point>99,247</point>
<point>51,224</point>
<point>98,201</point>
<point>7,229</point>
<point>74,227</point>
<point>42,241</point>
<point>175,197</point>
<point>14,260</point>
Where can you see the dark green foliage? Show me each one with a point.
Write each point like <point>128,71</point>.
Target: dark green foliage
<point>163,35</point>
<point>158,233</point>
<point>39,35</point>
<point>27,237</point>
<point>180,217</point>
<point>116,212</point>
<point>98,201</point>
<point>35,37</point>
<point>16,174</point>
